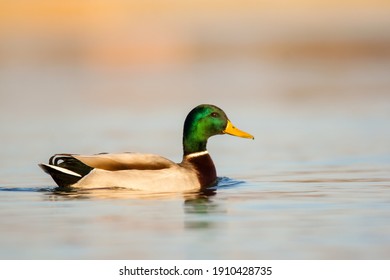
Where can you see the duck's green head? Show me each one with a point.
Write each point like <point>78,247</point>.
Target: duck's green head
<point>203,122</point>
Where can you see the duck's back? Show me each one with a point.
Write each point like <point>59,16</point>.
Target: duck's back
<point>125,161</point>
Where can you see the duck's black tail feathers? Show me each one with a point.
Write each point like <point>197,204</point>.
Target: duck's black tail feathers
<point>65,169</point>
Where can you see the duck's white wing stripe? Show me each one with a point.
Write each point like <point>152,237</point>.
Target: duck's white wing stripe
<point>63,170</point>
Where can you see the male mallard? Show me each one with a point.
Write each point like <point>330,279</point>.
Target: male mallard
<point>146,171</point>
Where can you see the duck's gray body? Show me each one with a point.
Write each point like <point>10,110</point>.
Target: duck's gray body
<point>135,171</point>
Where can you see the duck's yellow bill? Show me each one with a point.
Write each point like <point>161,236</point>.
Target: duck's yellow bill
<point>232,130</point>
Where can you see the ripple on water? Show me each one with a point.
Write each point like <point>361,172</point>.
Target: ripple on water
<point>72,193</point>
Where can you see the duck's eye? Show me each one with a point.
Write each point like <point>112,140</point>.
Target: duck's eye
<point>214,115</point>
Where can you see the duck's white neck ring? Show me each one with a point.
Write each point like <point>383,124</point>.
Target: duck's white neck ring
<point>197,154</point>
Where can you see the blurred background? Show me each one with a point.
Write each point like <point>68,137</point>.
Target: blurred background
<point>80,75</point>
<point>309,79</point>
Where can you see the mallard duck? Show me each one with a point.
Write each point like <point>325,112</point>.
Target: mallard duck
<point>150,172</point>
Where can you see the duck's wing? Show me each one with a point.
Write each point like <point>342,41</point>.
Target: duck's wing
<point>125,161</point>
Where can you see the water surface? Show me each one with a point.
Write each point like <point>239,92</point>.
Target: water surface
<point>306,188</point>
<point>314,184</point>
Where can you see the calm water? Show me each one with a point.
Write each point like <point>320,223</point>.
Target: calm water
<point>315,184</point>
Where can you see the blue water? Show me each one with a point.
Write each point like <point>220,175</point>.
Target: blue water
<point>313,213</point>
<point>314,184</point>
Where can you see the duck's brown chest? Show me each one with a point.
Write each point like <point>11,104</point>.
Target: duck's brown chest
<point>205,169</point>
